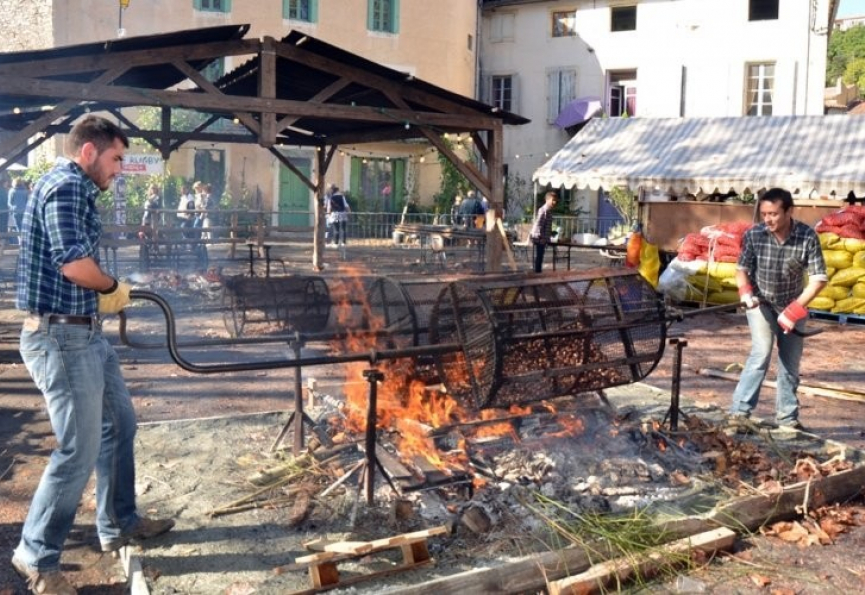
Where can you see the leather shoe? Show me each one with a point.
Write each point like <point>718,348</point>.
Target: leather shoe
<point>43,583</point>
<point>144,529</point>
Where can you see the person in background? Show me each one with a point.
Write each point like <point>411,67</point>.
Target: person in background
<point>338,208</point>
<point>456,220</point>
<point>152,203</point>
<point>65,292</point>
<point>469,209</point>
<point>17,201</point>
<point>205,205</point>
<point>770,273</point>
<point>186,209</point>
<point>5,212</point>
<point>485,204</point>
<point>542,229</point>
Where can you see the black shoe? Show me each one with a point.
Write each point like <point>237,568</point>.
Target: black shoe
<point>143,529</point>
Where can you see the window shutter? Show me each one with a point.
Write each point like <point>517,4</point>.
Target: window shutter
<point>227,5</point>
<point>313,11</point>
<point>395,15</point>
<point>196,4</point>
<point>515,93</point>
<point>370,15</point>
<point>569,90</point>
<point>552,95</point>
<point>485,90</point>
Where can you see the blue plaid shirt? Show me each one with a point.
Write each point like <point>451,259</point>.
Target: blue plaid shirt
<point>61,225</point>
<point>777,271</point>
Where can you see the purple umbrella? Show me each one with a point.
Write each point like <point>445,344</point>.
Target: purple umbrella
<point>579,110</point>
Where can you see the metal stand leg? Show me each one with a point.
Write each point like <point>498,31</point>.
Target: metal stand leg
<point>297,416</point>
<point>674,411</point>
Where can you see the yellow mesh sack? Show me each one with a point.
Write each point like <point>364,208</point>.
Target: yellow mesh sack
<point>834,292</point>
<point>848,305</point>
<point>854,245</point>
<point>838,259</point>
<point>847,277</point>
<point>722,270</point>
<point>704,283</point>
<point>859,259</point>
<point>858,290</point>
<point>828,239</point>
<point>822,303</point>
<point>729,296</point>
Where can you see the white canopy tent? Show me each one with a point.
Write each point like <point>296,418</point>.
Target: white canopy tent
<point>812,156</point>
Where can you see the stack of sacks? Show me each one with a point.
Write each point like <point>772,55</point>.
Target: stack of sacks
<point>705,268</point>
<point>842,237</point>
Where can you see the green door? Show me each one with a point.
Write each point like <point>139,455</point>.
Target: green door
<point>294,195</point>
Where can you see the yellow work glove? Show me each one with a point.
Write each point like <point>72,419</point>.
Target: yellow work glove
<point>114,299</point>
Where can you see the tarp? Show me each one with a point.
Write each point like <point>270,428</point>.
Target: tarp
<point>814,155</point>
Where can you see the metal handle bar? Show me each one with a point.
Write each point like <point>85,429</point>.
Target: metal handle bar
<point>371,356</point>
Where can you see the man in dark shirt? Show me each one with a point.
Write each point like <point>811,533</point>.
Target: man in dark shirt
<point>470,208</point>
<point>64,291</point>
<point>542,229</point>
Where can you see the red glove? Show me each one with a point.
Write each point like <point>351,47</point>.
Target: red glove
<point>746,295</point>
<point>791,315</point>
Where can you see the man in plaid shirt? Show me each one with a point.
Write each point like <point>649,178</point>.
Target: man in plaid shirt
<point>775,257</point>
<point>64,291</point>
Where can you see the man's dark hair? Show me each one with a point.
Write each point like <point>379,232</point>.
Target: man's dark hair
<point>778,195</point>
<point>94,129</point>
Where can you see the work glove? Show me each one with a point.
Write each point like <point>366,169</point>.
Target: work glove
<point>746,295</point>
<point>115,298</point>
<point>791,315</point>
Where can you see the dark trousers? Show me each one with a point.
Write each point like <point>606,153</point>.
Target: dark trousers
<point>539,256</point>
<point>339,232</point>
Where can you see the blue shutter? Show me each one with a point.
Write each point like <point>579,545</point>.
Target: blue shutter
<point>196,4</point>
<point>313,11</point>
<point>227,5</point>
<point>370,15</point>
<point>395,14</point>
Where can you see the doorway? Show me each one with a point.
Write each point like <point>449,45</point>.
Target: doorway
<point>294,203</point>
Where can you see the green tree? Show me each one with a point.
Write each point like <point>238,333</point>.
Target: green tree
<point>854,74</point>
<point>844,48</point>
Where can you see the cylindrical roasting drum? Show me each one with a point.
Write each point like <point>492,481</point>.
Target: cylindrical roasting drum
<point>537,337</point>
<point>296,302</point>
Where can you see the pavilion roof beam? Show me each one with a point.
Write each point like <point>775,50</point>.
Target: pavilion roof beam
<point>208,87</point>
<point>134,96</point>
<point>39,124</point>
<point>129,59</point>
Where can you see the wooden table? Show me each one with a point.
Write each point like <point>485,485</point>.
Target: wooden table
<point>453,236</point>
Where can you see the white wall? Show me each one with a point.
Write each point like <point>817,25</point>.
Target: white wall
<point>712,39</point>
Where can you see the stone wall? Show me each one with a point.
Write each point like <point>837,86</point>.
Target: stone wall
<point>26,25</point>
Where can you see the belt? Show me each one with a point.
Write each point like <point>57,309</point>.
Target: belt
<point>67,319</point>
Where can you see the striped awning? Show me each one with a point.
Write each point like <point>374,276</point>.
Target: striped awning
<point>812,156</point>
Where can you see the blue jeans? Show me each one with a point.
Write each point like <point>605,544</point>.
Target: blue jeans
<point>93,420</point>
<point>764,332</point>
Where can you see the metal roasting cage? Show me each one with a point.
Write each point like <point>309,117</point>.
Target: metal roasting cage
<point>542,336</point>
<point>296,302</point>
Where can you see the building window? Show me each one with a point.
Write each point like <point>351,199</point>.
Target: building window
<point>300,10</point>
<point>565,23</point>
<point>502,92</point>
<point>383,16</point>
<point>622,93</point>
<point>213,5</point>
<point>561,90</point>
<point>623,18</point>
<point>763,10</point>
<point>502,27</point>
<point>761,86</point>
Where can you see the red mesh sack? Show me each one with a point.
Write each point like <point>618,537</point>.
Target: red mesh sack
<point>842,219</point>
<point>851,231</point>
<point>694,242</point>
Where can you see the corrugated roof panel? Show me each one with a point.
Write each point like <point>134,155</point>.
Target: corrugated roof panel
<point>818,155</point>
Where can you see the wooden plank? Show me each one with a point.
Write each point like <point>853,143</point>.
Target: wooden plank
<point>533,573</point>
<point>813,389</point>
<point>348,549</point>
<point>345,582</point>
<point>601,577</point>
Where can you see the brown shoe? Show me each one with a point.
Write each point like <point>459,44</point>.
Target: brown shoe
<point>144,529</point>
<point>43,583</point>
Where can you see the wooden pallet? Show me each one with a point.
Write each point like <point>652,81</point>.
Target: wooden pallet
<point>840,318</point>
<point>323,571</point>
